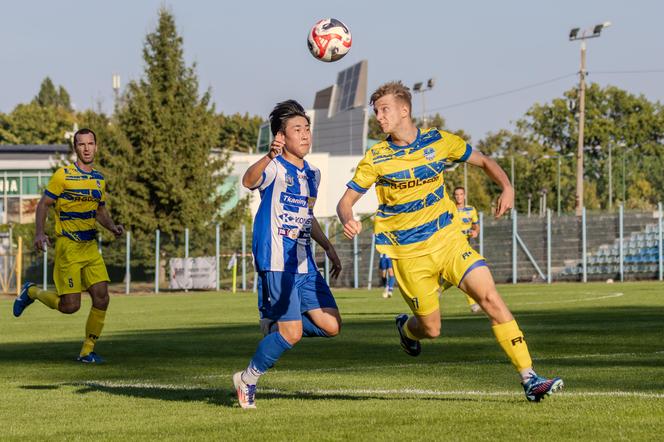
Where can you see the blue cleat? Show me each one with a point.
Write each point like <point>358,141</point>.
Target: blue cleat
<point>537,387</point>
<point>410,346</point>
<point>90,358</point>
<point>23,300</point>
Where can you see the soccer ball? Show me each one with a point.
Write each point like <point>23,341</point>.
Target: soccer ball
<point>329,40</point>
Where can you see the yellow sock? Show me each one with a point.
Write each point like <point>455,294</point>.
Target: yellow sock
<point>93,329</point>
<point>470,300</point>
<point>408,333</point>
<point>514,344</point>
<point>49,299</point>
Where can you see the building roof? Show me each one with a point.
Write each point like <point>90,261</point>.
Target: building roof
<point>34,148</point>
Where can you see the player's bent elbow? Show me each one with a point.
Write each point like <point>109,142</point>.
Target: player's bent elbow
<point>246,183</point>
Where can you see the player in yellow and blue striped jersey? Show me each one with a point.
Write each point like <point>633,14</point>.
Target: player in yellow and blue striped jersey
<point>468,221</point>
<point>413,226</point>
<point>77,193</point>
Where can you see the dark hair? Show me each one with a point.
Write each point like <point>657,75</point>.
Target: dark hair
<point>84,131</point>
<point>459,188</point>
<point>283,112</point>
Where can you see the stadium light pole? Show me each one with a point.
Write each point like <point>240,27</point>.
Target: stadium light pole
<point>577,34</point>
<point>420,87</point>
<point>610,181</point>
<point>116,87</point>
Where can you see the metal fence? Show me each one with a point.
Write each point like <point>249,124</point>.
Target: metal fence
<point>519,248</point>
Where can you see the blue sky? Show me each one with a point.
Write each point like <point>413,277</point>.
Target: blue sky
<point>253,53</point>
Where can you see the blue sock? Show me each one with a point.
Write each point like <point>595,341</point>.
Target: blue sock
<point>311,330</point>
<point>390,283</point>
<point>268,352</point>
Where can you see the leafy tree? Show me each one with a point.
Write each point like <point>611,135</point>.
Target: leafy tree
<point>631,125</point>
<point>34,124</point>
<point>170,173</point>
<point>49,96</point>
<point>238,132</point>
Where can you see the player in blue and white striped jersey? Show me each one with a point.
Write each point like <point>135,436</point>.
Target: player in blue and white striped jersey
<point>293,298</point>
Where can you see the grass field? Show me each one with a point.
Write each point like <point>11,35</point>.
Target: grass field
<point>170,359</point>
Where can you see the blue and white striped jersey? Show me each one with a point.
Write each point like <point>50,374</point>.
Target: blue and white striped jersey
<point>282,227</point>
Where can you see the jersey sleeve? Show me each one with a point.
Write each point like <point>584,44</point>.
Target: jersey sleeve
<point>473,216</point>
<point>365,175</point>
<point>102,201</point>
<point>56,185</point>
<point>459,150</point>
<point>269,174</point>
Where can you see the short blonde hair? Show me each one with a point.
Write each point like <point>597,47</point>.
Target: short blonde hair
<point>395,88</point>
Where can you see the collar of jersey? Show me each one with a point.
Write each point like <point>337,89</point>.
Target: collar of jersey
<point>413,144</point>
<point>287,163</point>
<point>81,170</point>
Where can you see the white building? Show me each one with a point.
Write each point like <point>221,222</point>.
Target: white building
<point>24,171</point>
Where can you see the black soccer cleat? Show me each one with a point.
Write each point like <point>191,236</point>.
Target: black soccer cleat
<point>410,346</point>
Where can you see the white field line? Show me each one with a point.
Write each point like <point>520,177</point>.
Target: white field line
<point>596,298</point>
<point>442,363</point>
<point>369,391</point>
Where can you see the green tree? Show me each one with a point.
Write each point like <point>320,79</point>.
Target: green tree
<point>35,124</point>
<point>631,125</point>
<point>49,96</point>
<point>238,132</point>
<point>174,171</point>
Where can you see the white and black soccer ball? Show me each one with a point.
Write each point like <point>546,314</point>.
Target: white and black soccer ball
<point>329,40</point>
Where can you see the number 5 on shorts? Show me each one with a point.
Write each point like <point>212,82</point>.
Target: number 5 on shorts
<point>71,283</point>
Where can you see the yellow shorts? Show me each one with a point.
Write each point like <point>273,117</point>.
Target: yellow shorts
<point>78,265</point>
<point>419,278</point>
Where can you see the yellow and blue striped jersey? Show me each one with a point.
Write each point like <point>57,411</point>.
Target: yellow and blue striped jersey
<point>77,194</point>
<point>413,210</point>
<point>467,216</point>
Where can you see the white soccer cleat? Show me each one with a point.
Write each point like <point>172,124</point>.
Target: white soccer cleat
<point>386,294</point>
<point>246,394</point>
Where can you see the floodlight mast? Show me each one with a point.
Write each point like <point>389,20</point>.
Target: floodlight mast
<point>583,36</point>
<point>421,87</point>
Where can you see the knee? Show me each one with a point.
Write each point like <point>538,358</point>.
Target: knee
<point>489,298</point>
<point>291,336</point>
<point>69,307</point>
<point>101,302</point>
<point>333,328</point>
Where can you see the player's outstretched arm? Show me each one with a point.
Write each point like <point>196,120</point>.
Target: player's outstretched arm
<point>498,175</point>
<point>253,176</point>
<point>345,213</point>
<point>41,240</point>
<point>104,218</point>
<point>318,236</point>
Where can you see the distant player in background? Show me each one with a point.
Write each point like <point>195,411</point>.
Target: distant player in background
<point>78,193</point>
<point>387,273</point>
<point>467,218</point>
<point>413,225</point>
<point>293,298</point>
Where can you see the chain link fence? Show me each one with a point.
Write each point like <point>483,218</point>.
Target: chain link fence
<point>519,248</point>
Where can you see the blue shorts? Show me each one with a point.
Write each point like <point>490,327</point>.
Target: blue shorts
<point>385,263</point>
<point>285,296</point>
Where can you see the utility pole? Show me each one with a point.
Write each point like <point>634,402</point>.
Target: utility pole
<point>582,120</point>
<point>574,35</point>
<point>610,180</point>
